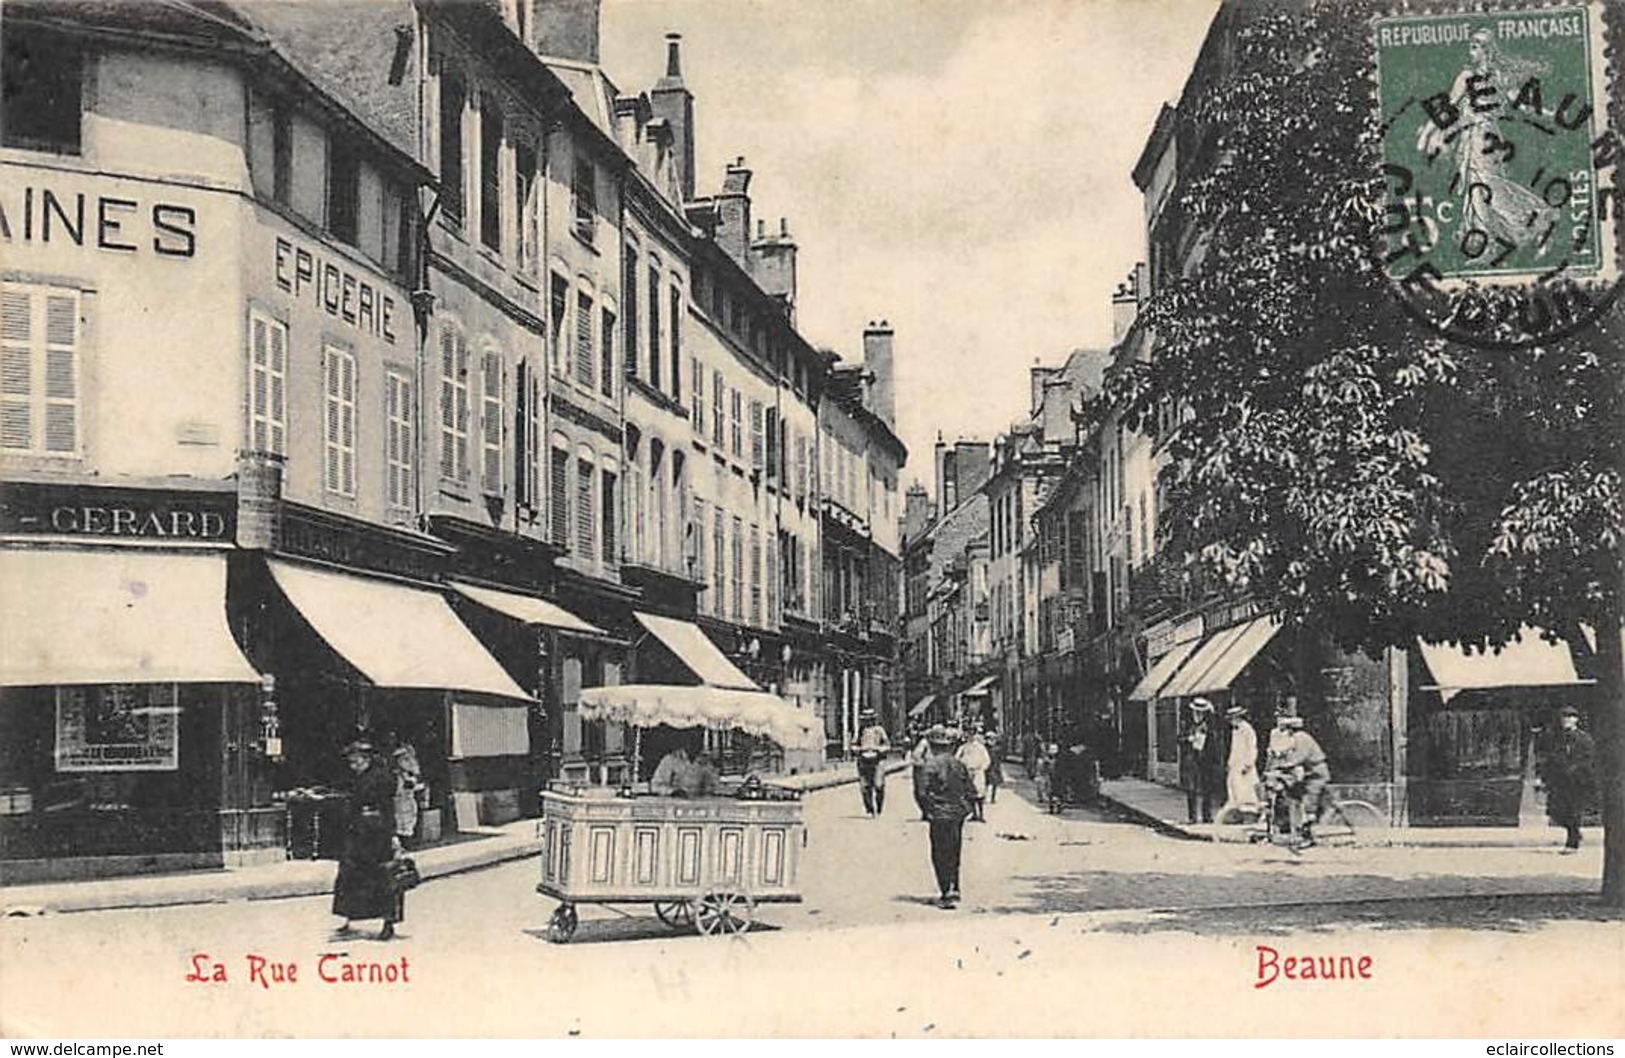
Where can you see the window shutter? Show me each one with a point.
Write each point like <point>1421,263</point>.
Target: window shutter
<point>491,424</point>
<point>610,516</point>
<point>16,370</point>
<point>559,488</point>
<point>278,403</point>
<point>606,374</point>
<point>259,382</point>
<point>772,452</point>
<point>347,424</point>
<point>533,434</point>
<point>448,403</point>
<point>584,322</point>
<point>584,513</point>
<point>755,575</point>
<point>330,377</point>
<point>756,435</point>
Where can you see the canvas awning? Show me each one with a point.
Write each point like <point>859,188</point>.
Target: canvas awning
<point>718,708</point>
<point>396,635</point>
<point>695,650</point>
<point>527,608</point>
<point>1162,670</point>
<point>980,687</point>
<point>922,705</point>
<point>1255,636</point>
<point>1527,661</point>
<point>72,617</point>
<point>1192,673</point>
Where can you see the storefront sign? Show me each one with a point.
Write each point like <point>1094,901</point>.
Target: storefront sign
<point>311,533</point>
<point>102,222</point>
<point>341,293</point>
<point>79,510</point>
<point>259,501</point>
<point>118,727</point>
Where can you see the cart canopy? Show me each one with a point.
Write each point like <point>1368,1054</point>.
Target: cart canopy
<point>754,712</point>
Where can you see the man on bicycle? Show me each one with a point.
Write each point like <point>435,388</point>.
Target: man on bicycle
<point>1296,766</point>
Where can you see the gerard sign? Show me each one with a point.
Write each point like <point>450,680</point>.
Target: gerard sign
<point>77,510</point>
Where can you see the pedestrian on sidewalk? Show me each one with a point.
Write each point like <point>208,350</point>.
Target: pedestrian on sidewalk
<point>1199,769</point>
<point>1567,769</point>
<point>948,796</point>
<point>1043,772</point>
<point>917,758</point>
<point>995,766</point>
<point>408,775</point>
<point>873,742</point>
<point>974,755</point>
<point>1241,771</point>
<point>363,888</point>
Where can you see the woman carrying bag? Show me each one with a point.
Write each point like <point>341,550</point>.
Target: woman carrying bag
<point>367,885</point>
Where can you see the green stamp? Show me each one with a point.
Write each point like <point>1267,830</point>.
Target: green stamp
<point>1495,151</point>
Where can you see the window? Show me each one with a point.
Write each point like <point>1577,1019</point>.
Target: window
<point>454,408</point>
<point>654,326</point>
<point>803,485</point>
<point>43,96</point>
<point>716,409</point>
<point>586,537</point>
<point>559,493</point>
<point>696,395</point>
<point>267,384</point>
<point>606,380</point>
<point>281,155</point>
<point>343,190</point>
<point>528,395</point>
<point>452,99</point>
<point>697,570</point>
<point>558,305</point>
<point>584,350</point>
<point>118,727</point>
<point>756,435</point>
<point>735,425</point>
<point>774,446</point>
<point>491,424</point>
<point>338,369</point>
<point>675,322</point>
<point>632,348</point>
<point>770,582</point>
<point>755,575</point>
<point>738,569</point>
<point>524,184</point>
<point>719,547</point>
<point>398,440</point>
<point>610,515</point>
<point>584,195</point>
<point>39,370</point>
<point>490,173</point>
<point>638,513</point>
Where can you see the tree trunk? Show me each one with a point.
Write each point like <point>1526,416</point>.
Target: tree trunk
<point>1610,738</point>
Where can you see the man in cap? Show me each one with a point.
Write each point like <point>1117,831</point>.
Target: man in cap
<point>1297,765</point>
<point>1199,768</point>
<point>1567,769</point>
<point>872,745</point>
<point>948,798</point>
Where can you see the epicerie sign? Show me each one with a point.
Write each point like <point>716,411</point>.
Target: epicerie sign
<point>341,293</point>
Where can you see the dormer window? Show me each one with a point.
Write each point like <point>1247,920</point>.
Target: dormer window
<point>584,193</point>
<point>43,92</point>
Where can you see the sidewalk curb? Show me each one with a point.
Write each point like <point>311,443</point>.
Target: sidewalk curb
<point>892,767</point>
<point>1166,827</point>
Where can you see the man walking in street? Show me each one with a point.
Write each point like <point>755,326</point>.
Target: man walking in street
<point>873,742</point>
<point>1566,768</point>
<point>916,759</point>
<point>948,799</point>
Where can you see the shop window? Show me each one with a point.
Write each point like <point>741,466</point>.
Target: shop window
<point>39,369</point>
<point>609,515</point>
<point>343,190</point>
<point>491,413</point>
<point>490,173</point>
<point>399,437</point>
<point>585,535</point>
<point>584,350</point>
<point>606,363</point>
<point>629,294</point>
<point>43,99</point>
<point>118,727</point>
<point>584,197</point>
<point>453,96</point>
<point>338,370</point>
<point>267,384</point>
<point>454,405</point>
<point>559,494</point>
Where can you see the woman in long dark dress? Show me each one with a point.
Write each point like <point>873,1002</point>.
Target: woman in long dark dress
<point>363,889</point>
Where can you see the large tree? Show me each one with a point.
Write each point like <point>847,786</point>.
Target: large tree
<point>1370,477</point>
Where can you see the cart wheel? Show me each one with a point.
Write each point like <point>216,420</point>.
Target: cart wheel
<point>562,926</point>
<point>678,914</point>
<point>723,913</point>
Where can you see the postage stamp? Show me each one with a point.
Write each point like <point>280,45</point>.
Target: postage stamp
<point>1499,226</point>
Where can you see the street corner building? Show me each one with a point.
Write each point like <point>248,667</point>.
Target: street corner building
<point>383,372</point>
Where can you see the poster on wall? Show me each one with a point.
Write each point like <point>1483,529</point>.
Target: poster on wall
<point>117,727</point>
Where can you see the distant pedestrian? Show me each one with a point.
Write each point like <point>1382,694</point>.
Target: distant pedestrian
<point>1043,772</point>
<point>1241,769</point>
<point>917,758</point>
<point>873,742</point>
<point>976,759</point>
<point>1199,768</point>
<point>995,766</point>
<point>408,775</point>
<point>949,798</point>
<point>363,889</point>
<point>1567,769</point>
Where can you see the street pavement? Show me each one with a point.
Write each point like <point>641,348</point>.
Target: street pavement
<point>1069,925</point>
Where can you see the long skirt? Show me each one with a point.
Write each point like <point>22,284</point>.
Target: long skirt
<point>363,891</point>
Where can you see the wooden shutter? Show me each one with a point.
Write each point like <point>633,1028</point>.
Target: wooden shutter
<point>584,352</point>
<point>585,537</point>
<point>610,515</point>
<point>491,424</point>
<point>606,373</point>
<point>16,370</point>
<point>559,488</point>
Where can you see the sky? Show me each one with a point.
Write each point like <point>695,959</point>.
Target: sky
<point>959,168</point>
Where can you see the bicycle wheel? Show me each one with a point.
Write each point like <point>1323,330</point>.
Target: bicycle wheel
<point>1353,822</point>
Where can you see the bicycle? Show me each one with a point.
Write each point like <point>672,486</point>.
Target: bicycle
<point>1342,822</point>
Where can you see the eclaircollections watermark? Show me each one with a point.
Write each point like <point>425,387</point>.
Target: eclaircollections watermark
<point>1499,156</point>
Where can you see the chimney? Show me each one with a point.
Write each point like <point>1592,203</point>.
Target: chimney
<point>945,475</point>
<point>733,213</point>
<point>773,263</point>
<point>879,362</point>
<point>673,103</point>
<point>917,511</point>
<point>1126,302</point>
<point>566,29</point>
<point>1038,378</point>
<point>972,464</point>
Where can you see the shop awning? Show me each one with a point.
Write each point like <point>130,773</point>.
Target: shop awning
<point>1192,673</point>
<point>397,636</point>
<point>69,617</point>
<point>695,650</point>
<point>528,608</point>
<point>979,688</point>
<point>1162,670</point>
<point>1255,636</point>
<point>1527,661</point>
<point>718,708</point>
<point>922,705</point>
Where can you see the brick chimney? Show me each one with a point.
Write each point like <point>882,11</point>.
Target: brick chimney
<point>566,29</point>
<point>733,213</point>
<point>918,510</point>
<point>879,362</point>
<point>673,103</point>
<point>773,264</point>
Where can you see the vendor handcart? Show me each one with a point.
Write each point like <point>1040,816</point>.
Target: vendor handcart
<point>702,862</point>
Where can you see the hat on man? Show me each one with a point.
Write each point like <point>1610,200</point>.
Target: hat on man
<point>1568,710</point>
<point>1201,705</point>
<point>1289,720</point>
<point>1235,711</point>
<point>939,736</point>
<point>359,745</point>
